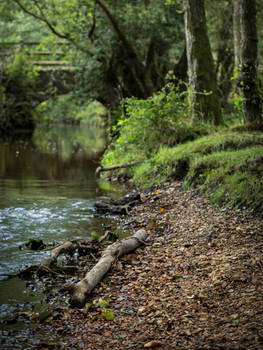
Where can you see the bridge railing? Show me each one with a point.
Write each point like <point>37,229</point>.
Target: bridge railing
<point>39,58</point>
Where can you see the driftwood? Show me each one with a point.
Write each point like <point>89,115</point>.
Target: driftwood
<point>119,166</point>
<point>108,236</point>
<point>109,256</point>
<point>121,206</point>
<point>67,247</point>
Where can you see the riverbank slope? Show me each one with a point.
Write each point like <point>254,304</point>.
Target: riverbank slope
<point>197,285</point>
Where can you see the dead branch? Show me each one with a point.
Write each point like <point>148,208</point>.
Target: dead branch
<point>67,247</point>
<point>119,166</point>
<point>109,256</point>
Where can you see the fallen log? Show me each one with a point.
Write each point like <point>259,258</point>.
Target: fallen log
<point>119,166</point>
<point>67,247</point>
<point>83,288</point>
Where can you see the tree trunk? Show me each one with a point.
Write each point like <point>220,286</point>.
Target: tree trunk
<point>236,32</point>
<point>225,53</point>
<point>252,103</point>
<point>202,77</point>
<point>136,66</point>
<point>180,72</point>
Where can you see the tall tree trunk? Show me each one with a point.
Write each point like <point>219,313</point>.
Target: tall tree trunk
<point>225,52</point>
<point>180,71</point>
<point>236,32</point>
<point>252,103</point>
<point>136,66</point>
<point>202,77</point>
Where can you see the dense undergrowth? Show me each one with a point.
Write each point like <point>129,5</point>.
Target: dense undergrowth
<point>71,109</point>
<point>17,95</point>
<point>225,164</point>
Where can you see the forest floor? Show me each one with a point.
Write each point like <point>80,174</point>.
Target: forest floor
<point>197,285</point>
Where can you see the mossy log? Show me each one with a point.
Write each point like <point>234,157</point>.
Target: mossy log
<point>83,288</point>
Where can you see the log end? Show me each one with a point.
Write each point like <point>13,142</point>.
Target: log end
<point>77,300</point>
<point>80,294</point>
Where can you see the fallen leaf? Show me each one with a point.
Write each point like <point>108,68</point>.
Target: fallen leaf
<point>153,344</point>
<point>108,315</point>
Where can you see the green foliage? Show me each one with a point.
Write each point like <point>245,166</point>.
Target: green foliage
<point>232,178</point>
<point>102,303</point>
<point>94,236</point>
<point>68,141</point>
<point>71,109</point>
<point>108,315</point>
<point>94,46</point>
<point>175,162</point>
<point>226,166</point>
<point>17,96</point>
<point>15,26</point>
<point>88,305</point>
<point>163,119</point>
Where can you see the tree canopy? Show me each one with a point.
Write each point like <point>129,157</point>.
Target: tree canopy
<point>124,49</point>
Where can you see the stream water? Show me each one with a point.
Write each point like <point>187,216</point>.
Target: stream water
<point>47,190</point>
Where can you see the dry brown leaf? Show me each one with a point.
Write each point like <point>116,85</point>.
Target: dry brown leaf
<point>153,344</point>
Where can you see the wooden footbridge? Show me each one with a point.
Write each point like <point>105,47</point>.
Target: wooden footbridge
<point>55,73</point>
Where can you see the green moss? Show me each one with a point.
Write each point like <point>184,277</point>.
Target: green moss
<point>226,167</point>
<point>175,162</point>
<point>232,178</point>
<point>227,164</point>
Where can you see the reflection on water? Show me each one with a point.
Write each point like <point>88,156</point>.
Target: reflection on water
<point>47,190</point>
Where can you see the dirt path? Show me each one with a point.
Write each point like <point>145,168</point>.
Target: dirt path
<point>199,285</point>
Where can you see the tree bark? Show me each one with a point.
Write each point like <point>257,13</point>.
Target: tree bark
<point>137,67</point>
<point>201,72</point>
<point>67,247</point>
<point>225,52</point>
<point>180,72</point>
<point>236,32</point>
<point>109,256</point>
<point>252,103</point>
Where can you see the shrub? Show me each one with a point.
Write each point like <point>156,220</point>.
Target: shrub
<point>164,119</point>
<point>69,108</point>
<point>17,96</point>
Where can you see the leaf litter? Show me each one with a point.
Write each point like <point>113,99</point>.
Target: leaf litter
<point>198,285</point>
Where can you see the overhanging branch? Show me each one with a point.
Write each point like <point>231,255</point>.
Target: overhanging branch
<point>41,17</point>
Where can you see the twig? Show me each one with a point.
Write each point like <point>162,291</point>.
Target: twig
<point>119,166</point>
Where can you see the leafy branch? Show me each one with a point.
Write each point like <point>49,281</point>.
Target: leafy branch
<point>42,17</point>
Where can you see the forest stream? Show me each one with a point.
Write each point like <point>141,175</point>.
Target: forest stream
<point>47,191</point>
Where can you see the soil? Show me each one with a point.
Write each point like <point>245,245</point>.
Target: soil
<point>198,284</point>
